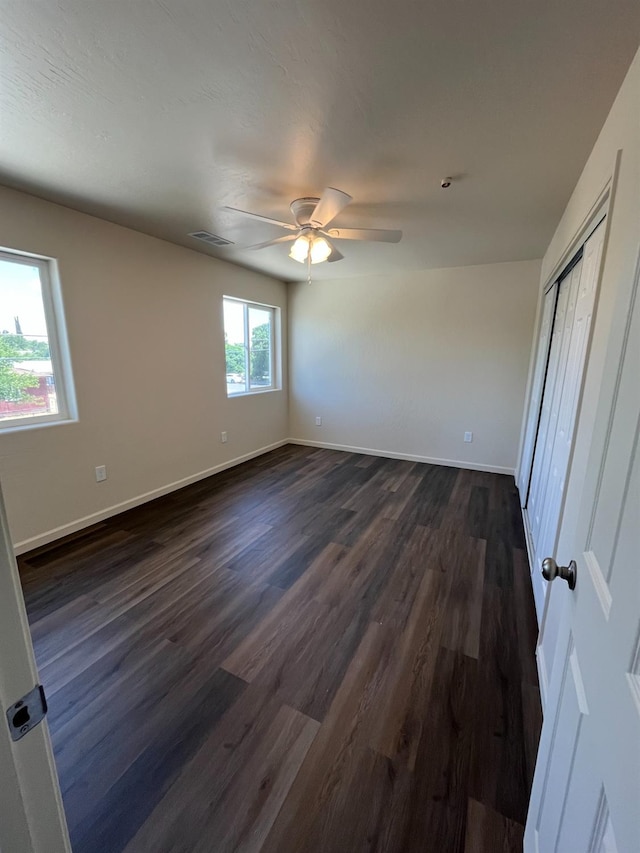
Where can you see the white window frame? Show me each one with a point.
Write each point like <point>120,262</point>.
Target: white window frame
<point>58,343</point>
<point>273,347</point>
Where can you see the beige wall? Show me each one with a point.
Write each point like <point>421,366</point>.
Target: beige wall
<point>406,364</point>
<point>145,330</point>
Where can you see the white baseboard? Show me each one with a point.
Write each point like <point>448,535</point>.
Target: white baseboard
<point>95,517</point>
<point>410,457</point>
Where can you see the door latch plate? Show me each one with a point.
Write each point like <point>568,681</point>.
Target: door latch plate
<point>26,713</point>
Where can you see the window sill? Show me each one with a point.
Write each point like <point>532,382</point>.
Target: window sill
<point>24,427</point>
<point>254,393</point>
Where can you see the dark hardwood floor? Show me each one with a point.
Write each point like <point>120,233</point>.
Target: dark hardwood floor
<point>315,651</point>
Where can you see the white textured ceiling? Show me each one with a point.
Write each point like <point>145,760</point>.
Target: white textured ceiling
<point>156,113</point>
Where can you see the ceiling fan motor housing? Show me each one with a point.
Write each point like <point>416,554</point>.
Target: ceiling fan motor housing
<point>302,210</point>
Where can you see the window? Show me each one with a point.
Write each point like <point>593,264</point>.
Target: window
<point>249,337</point>
<point>35,374</point>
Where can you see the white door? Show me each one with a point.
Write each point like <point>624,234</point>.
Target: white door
<point>586,788</point>
<point>31,814</point>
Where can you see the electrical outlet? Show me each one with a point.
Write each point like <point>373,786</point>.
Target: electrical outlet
<point>318,421</point>
<point>468,436</point>
<point>223,437</point>
<point>101,473</point>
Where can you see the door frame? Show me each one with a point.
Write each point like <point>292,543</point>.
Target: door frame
<point>602,207</point>
<point>32,818</point>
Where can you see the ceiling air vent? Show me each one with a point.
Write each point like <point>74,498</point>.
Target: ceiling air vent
<point>211,239</point>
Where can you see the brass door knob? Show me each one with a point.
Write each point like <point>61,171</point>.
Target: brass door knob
<point>551,570</point>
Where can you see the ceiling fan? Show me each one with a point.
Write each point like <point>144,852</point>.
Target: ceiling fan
<point>312,240</point>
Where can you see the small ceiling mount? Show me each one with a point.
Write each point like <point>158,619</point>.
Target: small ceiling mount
<point>445,183</point>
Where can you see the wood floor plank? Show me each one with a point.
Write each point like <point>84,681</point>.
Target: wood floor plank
<point>532,724</point>
<point>252,802</point>
<point>438,797</point>
<point>432,495</point>
<point>461,631</point>
<point>41,562</point>
<point>297,564</point>
<point>303,821</point>
<point>313,652</point>
<point>478,512</point>
<point>79,574</point>
<point>500,538</point>
<point>268,554</point>
<point>401,497</point>
<point>52,639</point>
<point>398,475</point>
<point>490,832</point>
<point>101,682</point>
<point>256,651</point>
<point>396,731</point>
<point>316,640</point>
<point>175,599</point>
<point>414,623</point>
<point>526,624</point>
<point>200,797</point>
<point>498,773</point>
<point>129,801</point>
<point>89,740</point>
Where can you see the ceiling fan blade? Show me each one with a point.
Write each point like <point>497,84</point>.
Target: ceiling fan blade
<point>331,203</point>
<point>378,235</point>
<point>288,238</point>
<point>286,225</point>
<point>336,254</point>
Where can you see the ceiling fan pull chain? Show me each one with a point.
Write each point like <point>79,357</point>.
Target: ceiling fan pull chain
<point>309,268</point>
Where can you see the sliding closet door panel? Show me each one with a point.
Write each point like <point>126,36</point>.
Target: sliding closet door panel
<point>572,285</point>
<point>545,410</point>
<point>537,385</point>
<point>563,439</point>
<point>545,433</point>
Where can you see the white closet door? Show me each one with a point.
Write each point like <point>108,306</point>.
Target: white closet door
<point>550,406</point>
<point>563,440</point>
<point>542,460</point>
<point>573,381</point>
<point>552,455</point>
<point>537,385</point>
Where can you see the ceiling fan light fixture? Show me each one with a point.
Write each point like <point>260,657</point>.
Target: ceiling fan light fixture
<point>310,248</point>
<point>320,250</point>
<point>300,249</point>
